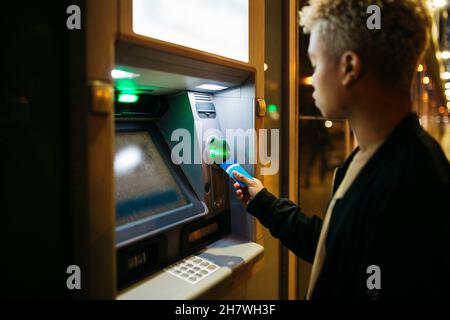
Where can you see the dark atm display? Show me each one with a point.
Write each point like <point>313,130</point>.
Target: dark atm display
<point>140,169</point>
<point>151,193</point>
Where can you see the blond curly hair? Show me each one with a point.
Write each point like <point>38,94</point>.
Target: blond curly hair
<point>393,51</point>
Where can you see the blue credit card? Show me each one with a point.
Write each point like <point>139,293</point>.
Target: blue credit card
<point>230,167</point>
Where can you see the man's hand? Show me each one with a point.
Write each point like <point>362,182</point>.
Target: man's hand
<point>248,193</point>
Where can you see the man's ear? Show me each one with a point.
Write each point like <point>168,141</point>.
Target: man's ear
<point>350,67</point>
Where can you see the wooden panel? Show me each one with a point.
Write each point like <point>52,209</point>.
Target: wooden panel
<point>100,34</point>
<point>101,205</point>
<point>257,43</point>
<point>291,98</point>
<point>100,152</point>
<point>256,54</point>
<point>92,134</point>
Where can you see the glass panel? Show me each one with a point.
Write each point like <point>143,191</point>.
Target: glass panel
<point>322,149</point>
<point>433,111</point>
<point>219,27</point>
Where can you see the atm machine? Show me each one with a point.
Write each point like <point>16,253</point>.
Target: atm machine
<point>176,121</point>
<point>172,197</point>
<point>179,232</point>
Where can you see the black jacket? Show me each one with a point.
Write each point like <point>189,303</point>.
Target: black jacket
<point>395,215</point>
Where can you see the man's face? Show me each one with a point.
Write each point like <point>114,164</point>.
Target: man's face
<point>328,90</point>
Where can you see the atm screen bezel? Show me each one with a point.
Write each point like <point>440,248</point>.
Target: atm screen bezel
<point>166,220</point>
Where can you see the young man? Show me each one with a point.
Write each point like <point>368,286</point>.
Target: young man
<point>386,233</point>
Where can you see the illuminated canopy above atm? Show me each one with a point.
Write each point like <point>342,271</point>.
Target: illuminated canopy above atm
<point>164,83</point>
<point>166,73</point>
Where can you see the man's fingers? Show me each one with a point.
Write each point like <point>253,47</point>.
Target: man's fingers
<point>243,178</point>
<point>237,186</point>
<point>239,192</point>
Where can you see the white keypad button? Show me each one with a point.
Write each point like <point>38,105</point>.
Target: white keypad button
<point>192,269</point>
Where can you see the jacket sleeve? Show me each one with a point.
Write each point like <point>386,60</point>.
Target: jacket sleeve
<point>286,222</point>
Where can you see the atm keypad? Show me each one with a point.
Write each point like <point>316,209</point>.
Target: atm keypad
<point>192,269</point>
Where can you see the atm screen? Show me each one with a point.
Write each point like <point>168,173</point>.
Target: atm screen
<point>150,193</point>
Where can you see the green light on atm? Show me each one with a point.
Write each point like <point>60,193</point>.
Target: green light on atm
<point>272,108</point>
<point>128,98</point>
<point>217,153</point>
<point>218,150</point>
<point>213,152</point>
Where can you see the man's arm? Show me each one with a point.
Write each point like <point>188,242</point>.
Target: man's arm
<point>284,219</point>
<point>286,222</point>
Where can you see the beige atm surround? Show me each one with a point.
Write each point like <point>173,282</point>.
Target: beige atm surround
<point>92,132</point>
